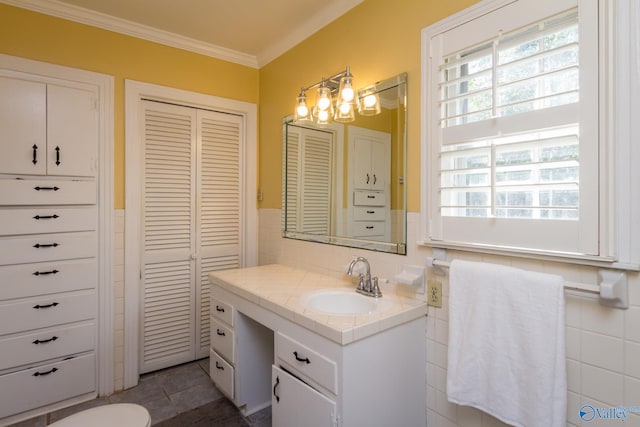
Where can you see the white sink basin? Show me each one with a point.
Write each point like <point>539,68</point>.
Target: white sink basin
<point>339,302</point>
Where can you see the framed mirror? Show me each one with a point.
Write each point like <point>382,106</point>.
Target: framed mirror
<point>344,183</point>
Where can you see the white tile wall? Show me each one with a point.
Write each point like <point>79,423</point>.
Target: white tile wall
<point>603,344</point>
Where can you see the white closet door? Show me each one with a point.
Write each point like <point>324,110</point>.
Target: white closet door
<point>316,183</point>
<point>291,185</point>
<point>219,207</point>
<point>168,230</point>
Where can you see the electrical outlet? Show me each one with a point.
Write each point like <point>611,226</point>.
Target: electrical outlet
<point>434,293</point>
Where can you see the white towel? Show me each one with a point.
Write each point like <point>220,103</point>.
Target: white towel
<point>506,343</point>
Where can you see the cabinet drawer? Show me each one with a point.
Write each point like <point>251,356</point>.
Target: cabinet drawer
<point>47,192</point>
<point>369,214</point>
<point>369,198</point>
<point>368,229</point>
<point>47,247</point>
<point>221,310</point>
<point>27,280</point>
<point>223,340</point>
<point>35,387</point>
<point>47,344</point>
<point>36,313</point>
<point>221,374</point>
<point>47,220</point>
<point>307,362</point>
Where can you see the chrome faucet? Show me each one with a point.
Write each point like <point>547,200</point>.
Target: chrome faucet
<point>366,284</point>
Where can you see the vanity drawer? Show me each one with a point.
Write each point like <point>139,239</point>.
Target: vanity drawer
<point>369,214</point>
<point>27,280</point>
<point>47,220</point>
<point>43,385</point>
<point>47,192</point>
<point>223,340</point>
<point>369,198</point>
<point>368,228</point>
<point>307,362</point>
<point>221,374</point>
<point>221,310</point>
<point>48,247</point>
<point>36,313</point>
<point>47,344</point>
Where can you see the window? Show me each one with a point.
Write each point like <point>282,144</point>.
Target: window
<point>512,127</point>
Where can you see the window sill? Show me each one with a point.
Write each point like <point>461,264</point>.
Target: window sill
<point>569,258</point>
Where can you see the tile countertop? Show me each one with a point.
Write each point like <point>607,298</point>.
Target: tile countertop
<point>280,289</point>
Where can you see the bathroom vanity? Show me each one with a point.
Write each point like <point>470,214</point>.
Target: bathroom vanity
<point>317,352</point>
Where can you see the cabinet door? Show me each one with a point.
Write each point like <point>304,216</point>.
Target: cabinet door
<point>23,120</point>
<point>295,404</point>
<point>362,164</point>
<point>72,131</point>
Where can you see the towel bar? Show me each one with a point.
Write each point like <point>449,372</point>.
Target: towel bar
<point>611,291</point>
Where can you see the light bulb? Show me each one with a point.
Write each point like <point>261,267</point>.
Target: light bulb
<point>324,103</point>
<point>302,110</point>
<point>344,108</point>
<point>347,93</point>
<point>323,116</point>
<point>369,101</point>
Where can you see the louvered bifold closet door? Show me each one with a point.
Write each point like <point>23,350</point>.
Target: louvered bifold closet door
<point>292,159</point>
<point>316,182</point>
<point>168,270</point>
<point>219,210</point>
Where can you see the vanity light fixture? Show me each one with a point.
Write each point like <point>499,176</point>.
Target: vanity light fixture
<point>340,88</point>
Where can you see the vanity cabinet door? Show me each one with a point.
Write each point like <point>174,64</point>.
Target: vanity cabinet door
<point>295,404</point>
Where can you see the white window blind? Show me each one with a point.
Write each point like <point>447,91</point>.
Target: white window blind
<point>514,131</point>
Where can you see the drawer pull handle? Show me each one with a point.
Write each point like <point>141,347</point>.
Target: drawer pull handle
<point>374,179</point>
<point>300,359</point>
<point>53,338</point>
<point>48,245</point>
<point>40,374</point>
<point>371,197</point>
<point>220,309</point>
<point>53,304</point>
<point>371,212</point>
<point>221,333</point>
<point>46,217</point>
<point>219,366</point>
<point>369,227</point>
<point>38,188</point>
<point>275,386</point>
<point>35,154</point>
<point>57,156</point>
<point>367,181</point>
<point>45,273</point>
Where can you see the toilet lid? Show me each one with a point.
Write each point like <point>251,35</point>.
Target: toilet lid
<point>117,414</point>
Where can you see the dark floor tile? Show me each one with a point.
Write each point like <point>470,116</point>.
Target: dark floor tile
<point>194,397</point>
<point>261,418</point>
<point>40,421</point>
<point>182,378</point>
<point>148,389</point>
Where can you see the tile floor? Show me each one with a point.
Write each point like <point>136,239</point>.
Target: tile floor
<point>181,396</point>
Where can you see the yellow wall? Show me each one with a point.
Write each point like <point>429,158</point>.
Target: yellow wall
<point>44,38</point>
<point>378,39</point>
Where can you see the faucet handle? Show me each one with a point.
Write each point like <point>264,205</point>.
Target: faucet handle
<point>375,289</point>
<point>361,285</point>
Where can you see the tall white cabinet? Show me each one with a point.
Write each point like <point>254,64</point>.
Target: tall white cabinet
<point>49,242</point>
<point>369,184</point>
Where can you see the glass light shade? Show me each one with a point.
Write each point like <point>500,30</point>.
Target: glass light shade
<point>323,102</point>
<point>302,112</point>
<point>369,105</point>
<point>346,93</point>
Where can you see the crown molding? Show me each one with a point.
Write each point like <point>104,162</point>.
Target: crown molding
<point>123,26</point>
<point>306,29</point>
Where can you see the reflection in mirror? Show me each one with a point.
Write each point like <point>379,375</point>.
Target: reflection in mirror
<point>344,184</point>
